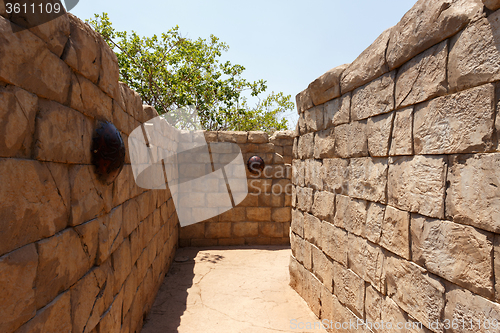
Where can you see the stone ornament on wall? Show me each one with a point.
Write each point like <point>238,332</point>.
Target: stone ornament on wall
<point>108,152</point>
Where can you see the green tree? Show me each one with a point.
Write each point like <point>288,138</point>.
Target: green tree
<point>170,71</point>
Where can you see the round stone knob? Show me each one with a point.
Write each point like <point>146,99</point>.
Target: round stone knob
<point>255,164</point>
<point>108,152</point>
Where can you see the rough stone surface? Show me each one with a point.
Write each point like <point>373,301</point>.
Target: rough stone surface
<point>17,275</point>
<point>312,229</point>
<point>327,86</point>
<point>314,119</point>
<point>351,140</point>
<point>349,288</point>
<point>426,24</point>
<point>322,267</point>
<point>417,184</point>
<point>458,123</point>
<point>423,77</point>
<point>324,205</point>
<point>337,111</point>
<point>379,130</point>
<point>414,290</point>
<point>87,98</point>
<point>109,71</point>
<point>334,242</point>
<point>491,4</point>
<point>369,65</point>
<point>374,98</point>
<point>367,260</point>
<point>324,144</point>
<point>458,253</point>
<point>297,224</point>
<point>350,214</point>
<point>496,265</point>
<point>368,178</point>
<point>472,196</point>
<point>304,100</point>
<point>335,175</point>
<point>306,146</point>
<point>474,54</point>
<point>402,133</point>
<point>257,137</point>
<point>235,137</point>
<point>374,219</point>
<point>313,174</point>
<point>396,232</point>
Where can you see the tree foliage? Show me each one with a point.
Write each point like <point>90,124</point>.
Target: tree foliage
<point>170,71</point>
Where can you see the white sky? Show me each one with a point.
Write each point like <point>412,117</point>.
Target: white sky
<point>288,43</point>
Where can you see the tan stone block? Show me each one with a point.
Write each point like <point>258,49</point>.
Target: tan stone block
<point>251,200</point>
<point>121,185</point>
<point>334,242</point>
<point>369,65</point>
<point>458,123</point>
<point>278,200</point>
<point>337,111</point>
<point>374,220</point>
<point>122,265</point>
<point>426,28</point>
<point>392,313</point>
<point>460,254</point>
<point>351,140</point>
<point>374,302</point>
<point>379,134</point>
<point>374,98</point>
<point>335,175</point>
<point>296,275</point>
<point>55,317</point>
<point>32,206</point>
<point>217,229</point>
<point>306,254</point>
<point>271,229</point>
<point>237,214</point>
<point>283,214</point>
<point>417,184</point>
<point>396,232</point>
<point>471,195</point>
<point>245,229</point>
<point>259,214</point>
<point>257,137</point>
<point>423,77</point>
<point>368,178</point>
<point>306,146</point>
<point>259,186</point>
<point>324,144</point>
<point>351,214</point>
<point>17,274</point>
<point>18,109</point>
<point>414,290</point>
<point>112,320</point>
<point>349,288</point>
<point>297,224</point>
<point>62,261</point>
<point>324,205</point>
<point>496,265</point>
<point>491,4</point>
<point>235,136</point>
<point>312,229</point>
<point>313,293</point>
<point>327,86</point>
<point>322,267</point>
<point>89,238</point>
<point>24,54</point>
<point>304,100</point>
<point>110,233</point>
<point>109,72</point>
<point>402,132</point>
<point>132,102</point>
<point>304,198</point>
<point>131,217</point>
<point>367,260</point>
<point>313,175</point>
<point>476,311</point>
<point>91,100</point>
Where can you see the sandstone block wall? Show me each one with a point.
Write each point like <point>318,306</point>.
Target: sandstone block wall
<point>75,255</point>
<point>396,173</point>
<point>264,216</point>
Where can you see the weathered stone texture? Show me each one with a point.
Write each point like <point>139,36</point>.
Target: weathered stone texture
<point>417,184</point>
<point>423,77</point>
<point>335,175</point>
<point>492,4</point>
<point>426,24</point>
<point>379,130</point>
<point>297,224</point>
<point>414,290</point>
<point>472,196</point>
<point>458,123</point>
<point>327,86</point>
<point>313,174</point>
<point>368,178</point>
<point>306,146</point>
<point>337,111</point>
<point>303,100</point>
<point>496,265</point>
<point>312,229</point>
<point>396,232</point>
<point>374,220</point>
<point>351,140</point>
<point>322,267</point>
<point>367,260</point>
<point>324,205</point>
<point>374,98</point>
<point>350,214</point>
<point>402,133</point>
<point>369,65</point>
<point>324,144</point>
<point>314,119</point>
<point>349,288</point>
<point>460,254</point>
<point>334,242</point>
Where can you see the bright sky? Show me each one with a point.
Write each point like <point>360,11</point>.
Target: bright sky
<point>288,43</point>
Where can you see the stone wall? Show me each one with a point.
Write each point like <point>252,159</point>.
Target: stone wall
<point>264,216</point>
<point>75,255</point>
<point>396,177</point>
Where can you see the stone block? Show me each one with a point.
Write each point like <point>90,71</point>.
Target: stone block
<point>369,65</point>
<point>271,229</point>
<point>349,288</point>
<point>112,320</point>
<point>474,311</point>
<point>306,146</point>
<point>414,290</point>
<point>351,140</point>
<point>313,175</point>
<point>34,202</point>
<point>402,132</point>
<point>304,100</point>
<point>327,86</point>
<point>458,123</point>
<point>368,178</point>
<point>458,253</point>
<point>122,265</point>
<point>121,185</point>
<point>314,119</point>
<point>236,214</point>
<point>281,214</point>
<point>421,27</point>
<point>471,197</point>
<point>324,205</point>
<point>417,184</point>
<point>322,267</point>
<point>296,275</point>
<point>89,99</point>
<point>245,229</point>
<point>324,144</point>
<point>396,232</point>
<point>334,242</point>
<point>62,261</point>
<point>336,175</point>
<point>312,292</point>
<point>259,214</point>
<point>131,218</point>
<point>304,198</point>
<point>217,229</point>
<point>374,219</point>
<point>132,102</point>
<point>18,110</point>
<point>496,265</point>
<point>257,137</point>
<point>235,136</point>
<point>337,111</point>
<point>350,214</point>
<point>379,130</point>
<point>17,275</point>
<point>110,233</point>
<point>374,98</point>
<point>423,77</point>
<point>297,224</point>
<point>367,261</point>
<point>312,229</point>
<point>491,4</point>
<point>374,303</point>
<point>109,72</point>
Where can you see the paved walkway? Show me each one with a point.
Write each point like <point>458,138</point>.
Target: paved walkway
<point>233,290</point>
